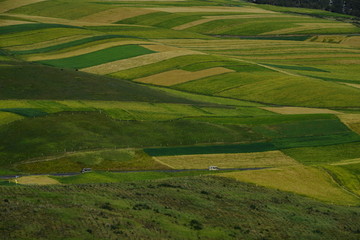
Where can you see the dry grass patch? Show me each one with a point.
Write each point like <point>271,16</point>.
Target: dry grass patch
<point>346,162</point>
<point>138,61</point>
<point>352,121</point>
<point>299,110</point>
<point>115,14</point>
<point>80,51</point>
<point>308,181</point>
<point>211,9</point>
<point>236,160</point>
<point>37,180</point>
<point>174,77</point>
<point>12,4</point>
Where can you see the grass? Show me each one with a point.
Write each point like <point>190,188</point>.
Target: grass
<point>25,112</point>
<point>60,9</point>
<point>159,209</point>
<point>33,83</point>
<point>302,180</point>
<point>121,159</point>
<point>324,154</point>
<point>347,175</point>
<point>6,117</point>
<point>30,27</point>
<point>67,44</point>
<point>211,149</point>
<point>99,57</point>
<point>68,132</point>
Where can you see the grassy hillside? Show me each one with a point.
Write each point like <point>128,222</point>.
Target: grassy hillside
<point>174,209</point>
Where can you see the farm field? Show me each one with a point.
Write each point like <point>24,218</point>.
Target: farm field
<point>150,94</point>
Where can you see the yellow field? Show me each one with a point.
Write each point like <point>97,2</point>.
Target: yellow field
<point>36,180</point>
<point>115,14</point>
<point>174,77</point>
<point>351,120</point>
<point>81,50</point>
<point>211,9</point>
<point>299,179</point>
<point>138,61</point>
<point>236,160</point>
<point>12,4</point>
<point>299,110</point>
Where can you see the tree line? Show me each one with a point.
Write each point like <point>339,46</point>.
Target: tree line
<point>351,7</point>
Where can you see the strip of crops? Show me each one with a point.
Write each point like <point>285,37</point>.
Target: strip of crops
<point>99,57</point>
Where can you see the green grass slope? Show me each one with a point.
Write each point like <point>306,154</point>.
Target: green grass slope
<point>33,81</point>
<point>182,208</point>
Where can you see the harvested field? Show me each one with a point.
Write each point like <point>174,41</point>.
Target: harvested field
<point>95,58</point>
<point>174,77</point>
<point>82,50</point>
<point>299,179</point>
<point>115,15</point>
<point>56,20</point>
<point>37,180</point>
<point>214,18</point>
<point>12,4</point>
<point>299,110</point>
<point>11,22</point>
<point>136,61</point>
<point>237,160</point>
<point>353,41</point>
<point>211,9</point>
<point>44,44</point>
<point>309,26</point>
<point>161,48</point>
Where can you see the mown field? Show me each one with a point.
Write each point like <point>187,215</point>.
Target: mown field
<point>149,94</point>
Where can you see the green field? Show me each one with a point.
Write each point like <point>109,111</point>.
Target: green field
<point>99,57</point>
<point>146,93</point>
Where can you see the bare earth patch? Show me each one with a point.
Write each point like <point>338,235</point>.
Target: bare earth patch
<point>115,14</point>
<point>37,180</point>
<point>138,61</point>
<point>11,22</point>
<point>236,160</point>
<point>299,110</point>
<point>174,77</point>
<point>308,181</point>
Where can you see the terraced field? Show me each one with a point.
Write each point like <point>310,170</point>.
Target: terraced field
<point>160,91</point>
